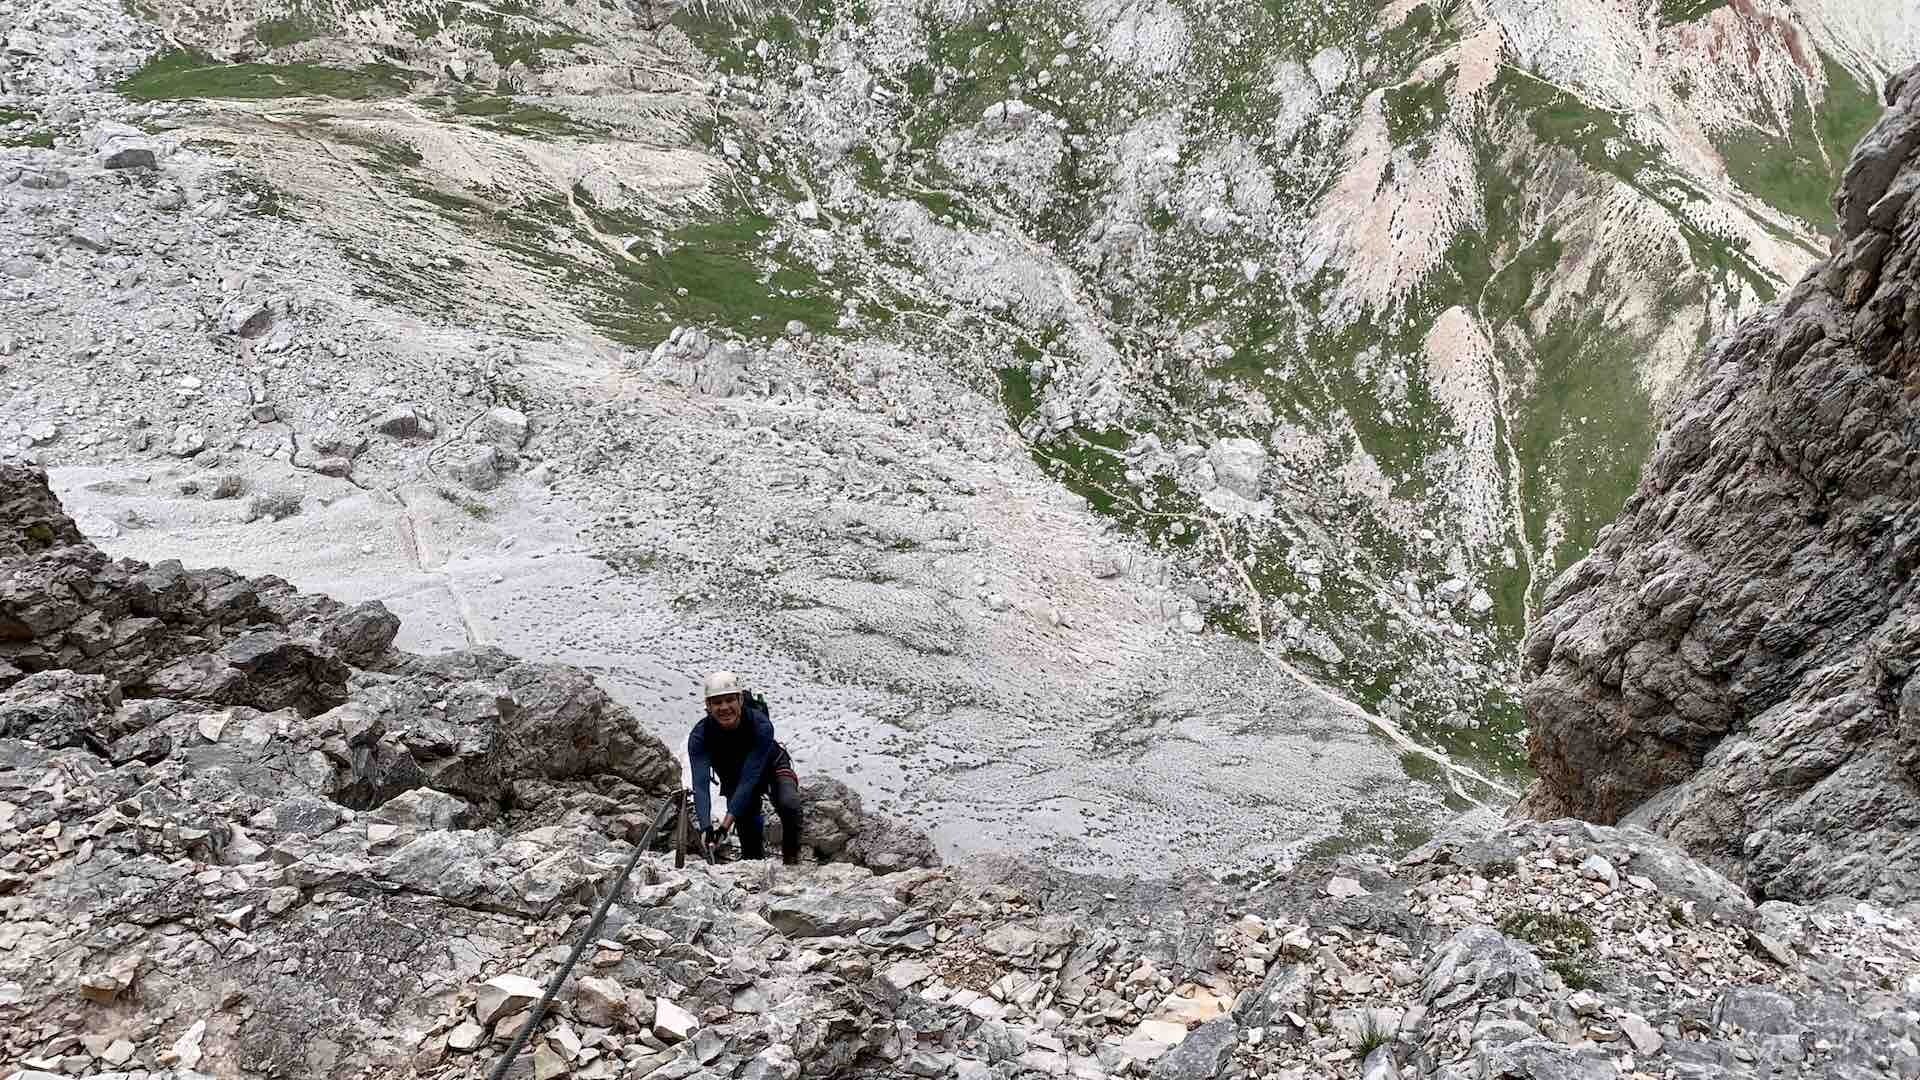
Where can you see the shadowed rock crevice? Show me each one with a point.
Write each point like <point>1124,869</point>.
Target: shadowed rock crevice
<point>1732,664</point>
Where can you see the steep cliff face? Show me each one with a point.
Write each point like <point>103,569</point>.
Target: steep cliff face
<point>1732,665</point>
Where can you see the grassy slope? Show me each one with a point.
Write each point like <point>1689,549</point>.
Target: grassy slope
<point>1796,172</point>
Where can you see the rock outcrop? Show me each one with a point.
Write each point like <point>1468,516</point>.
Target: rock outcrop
<point>409,943</point>
<point>1732,666</point>
<point>80,632</point>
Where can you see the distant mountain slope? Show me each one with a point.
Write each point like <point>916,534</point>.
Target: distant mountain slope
<point>1434,268</point>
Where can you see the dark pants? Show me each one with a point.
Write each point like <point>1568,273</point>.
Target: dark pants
<point>784,788</point>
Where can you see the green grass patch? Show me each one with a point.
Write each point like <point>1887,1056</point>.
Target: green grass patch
<point>1566,944</point>
<point>1090,471</point>
<point>1373,1034</point>
<point>39,140</point>
<point>1016,393</point>
<point>1584,433</point>
<point>1390,828</point>
<point>731,277</point>
<point>278,33</point>
<point>1575,971</point>
<point>384,155</point>
<point>183,75</point>
<point>509,47</point>
<point>1674,12</point>
<point>505,113</point>
<point>1416,111</point>
<point>446,201</point>
<point>1548,930</point>
<point>267,199</point>
<point>514,32</point>
<point>1421,767</point>
<point>485,106</point>
<point>1798,171</point>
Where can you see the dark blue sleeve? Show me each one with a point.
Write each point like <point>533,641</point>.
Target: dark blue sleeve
<point>702,778</point>
<point>748,786</point>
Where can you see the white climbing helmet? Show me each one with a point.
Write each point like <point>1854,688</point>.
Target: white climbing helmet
<point>722,683</point>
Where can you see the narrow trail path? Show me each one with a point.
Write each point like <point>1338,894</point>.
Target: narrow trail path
<point>425,561</point>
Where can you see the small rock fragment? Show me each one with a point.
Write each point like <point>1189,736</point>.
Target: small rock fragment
<point>671,1023</point>
<point>186,1050</point>
<point>504,995</point>
<point>473,465</point>
<point>403,422</point>
<point>130,157</point>
<point>504,426</point>
<point>1342,887</point>
<point>106,985</point>
<point>1646,1041</point>
<point>600,1002</point>
<point>1597,868</point>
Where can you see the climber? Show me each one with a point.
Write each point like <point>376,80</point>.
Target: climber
<point>735,741</point>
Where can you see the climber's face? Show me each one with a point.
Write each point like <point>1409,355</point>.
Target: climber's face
<point>725,710</point>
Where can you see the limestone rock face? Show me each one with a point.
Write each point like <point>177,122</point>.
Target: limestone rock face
<point>1732,666</point>
<point>30,517</point>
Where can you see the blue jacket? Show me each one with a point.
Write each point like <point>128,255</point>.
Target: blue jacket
<point>740,758</point>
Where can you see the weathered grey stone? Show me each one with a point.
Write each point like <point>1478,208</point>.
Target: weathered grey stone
<point>1379,1064</point>
<point>1287,988</point>
<point>601,1002</point>
<point>1237,465</point>
<point>1480,962</point>
<point>504,995</point>
<point>404,422</point>
<point>994,1041</point>
<point>130,157</point>
<point>1630,850</point>
<point>505,427</point>
<point>425,810</point>
<point>1203,1055</point>
<point>1539,1059</point>
<point>1646,1041</point>
<point>839,828</point>
<point>671,1023</point>
<point>264,670</point>
<point>31,519</point>
<point>105,984</point>
<point>1761,1012</point>
<point>450,865</point>
<point>478,467</point>
<point>814,915</point>
<point>187,441</point>
<point>91,239</point>
<point>59,709</point>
